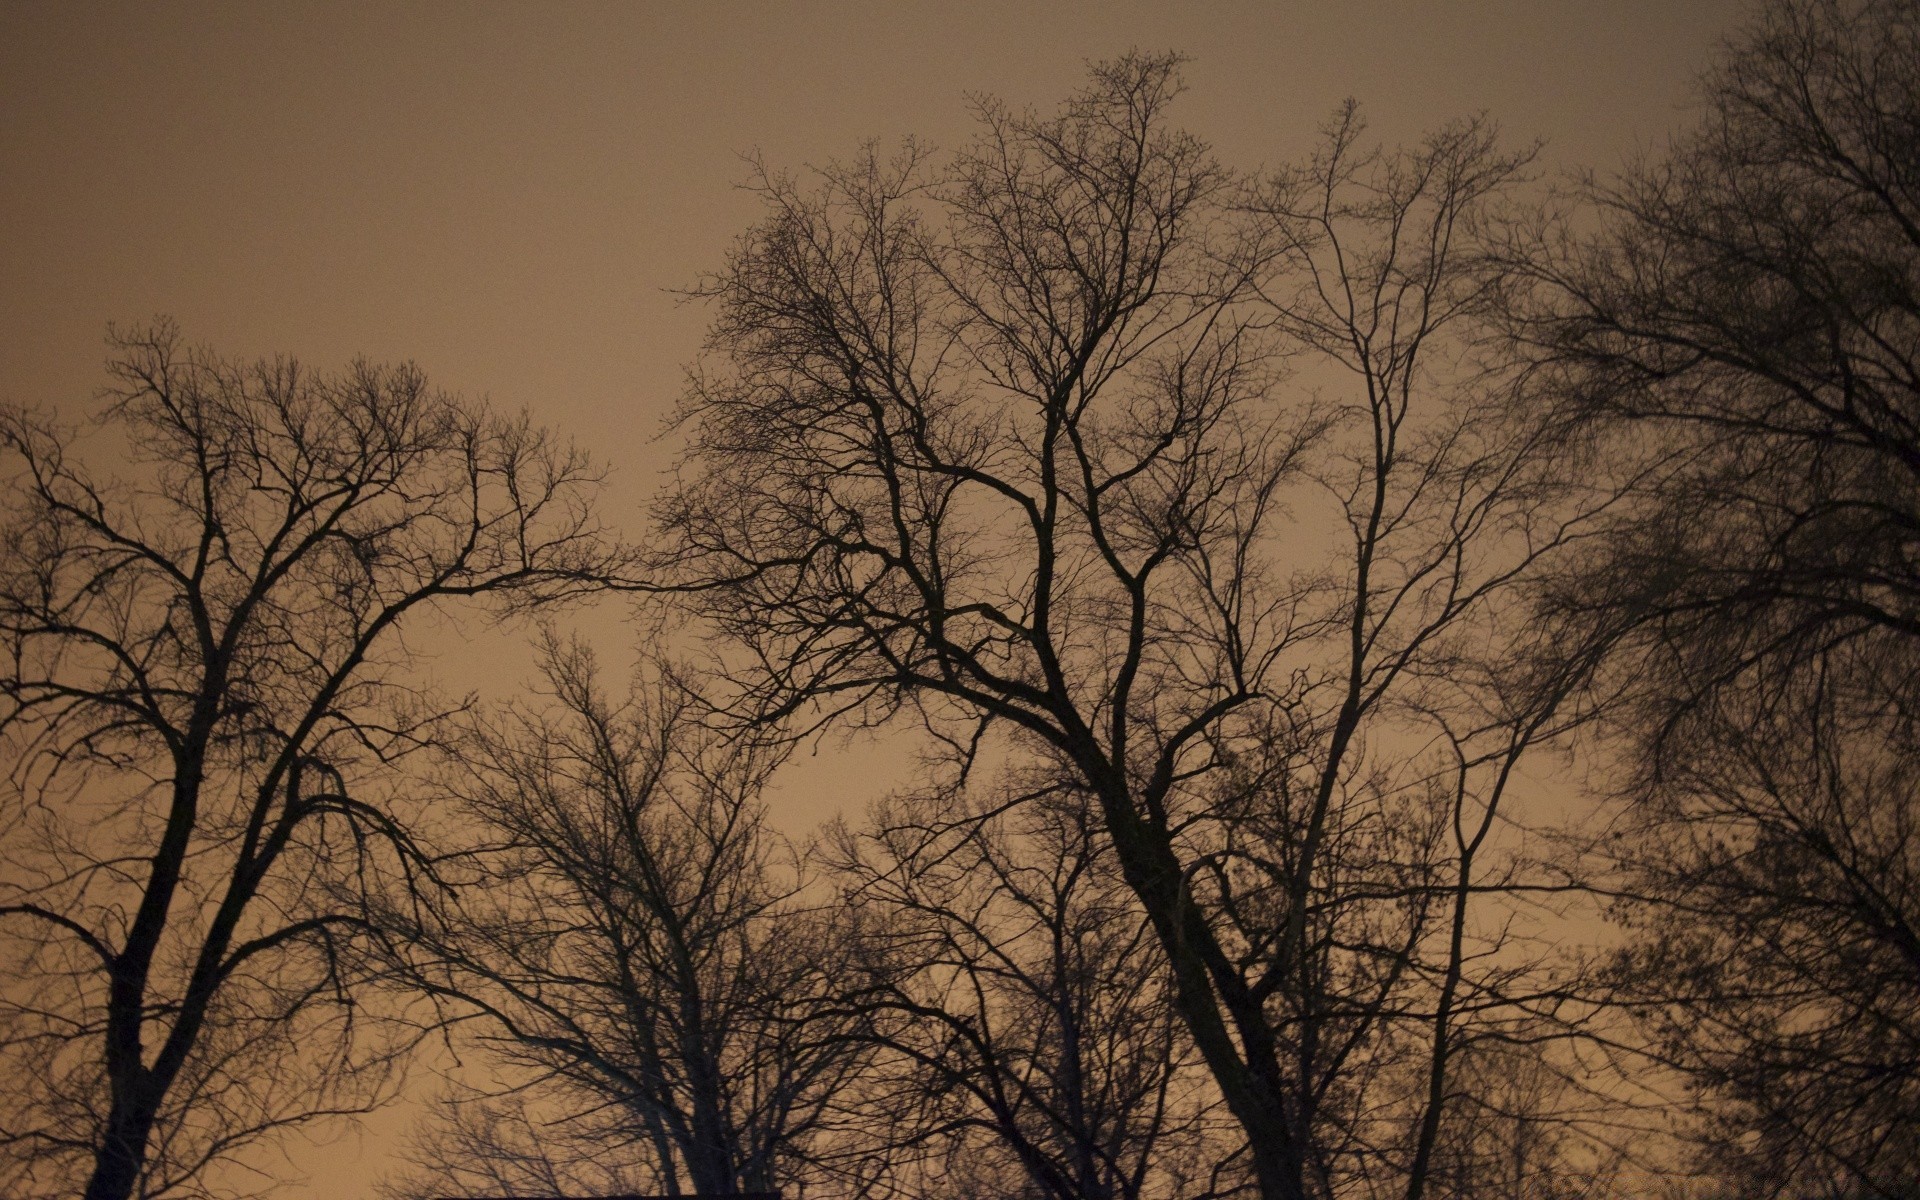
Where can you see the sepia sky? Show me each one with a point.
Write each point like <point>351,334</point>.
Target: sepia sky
<point>508,193</point>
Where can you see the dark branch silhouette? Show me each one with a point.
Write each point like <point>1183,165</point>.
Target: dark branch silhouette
<point>1747,323</point>
<point>205,702</point>
<point>1005,443</point>
<point>620,929</point>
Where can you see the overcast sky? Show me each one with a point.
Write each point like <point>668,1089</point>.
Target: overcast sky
<point>509,194</point>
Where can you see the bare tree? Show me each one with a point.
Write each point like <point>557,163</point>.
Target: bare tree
<point>1033,1046</point>
<point>489,1138</point>
<point>619,924</point>
<point>1774,906</point>
<point>204,700</point>
<point>1748,316</point>
<point>1003,442</point>
<point>1531,1125</point>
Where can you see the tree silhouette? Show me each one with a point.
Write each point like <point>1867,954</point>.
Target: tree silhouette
<point>1004,444</point>
<point>619,922</point>
<point>1747,324</point>
<point>205,699</point>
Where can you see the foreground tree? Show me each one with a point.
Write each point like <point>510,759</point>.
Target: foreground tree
<point>203,700</point>
<point>1002,443</point>
<point>1749,319</point>
<point>620,926</point>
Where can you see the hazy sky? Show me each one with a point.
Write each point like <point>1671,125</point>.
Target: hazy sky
<point>507,194</point>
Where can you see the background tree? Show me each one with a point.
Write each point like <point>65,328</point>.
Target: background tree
<point>203,702</point>
<point>620,927</point>
<point>1748,321</point>
<point>1003,441</point>
<point>1532,1123</point>
<point>491,1139</point>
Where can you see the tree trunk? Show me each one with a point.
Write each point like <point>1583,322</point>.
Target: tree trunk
<point>1153,873</point>
<point>121,1154</point>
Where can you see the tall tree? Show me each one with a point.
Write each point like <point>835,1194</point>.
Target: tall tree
<point>204,697</point>
<point>1003,441</point>
<point>1747,320</point>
